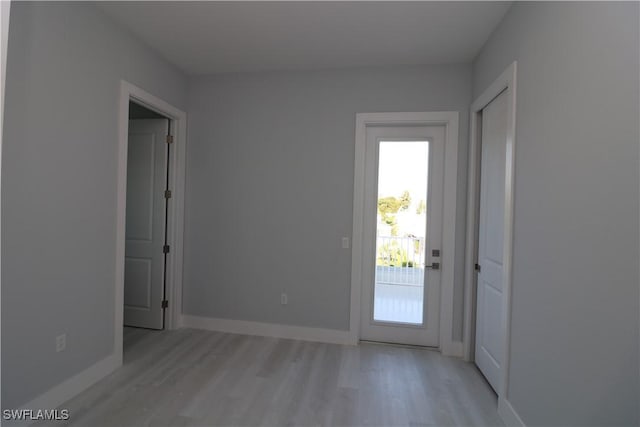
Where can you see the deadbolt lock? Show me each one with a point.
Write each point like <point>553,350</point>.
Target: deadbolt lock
<point>435,253</point>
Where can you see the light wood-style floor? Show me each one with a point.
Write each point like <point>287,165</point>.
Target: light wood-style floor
<point>200,378</point>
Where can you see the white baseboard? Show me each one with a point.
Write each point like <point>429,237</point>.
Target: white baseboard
<point>509,415</point>
<point>69,388</point>
<point>452,349</point>
<point>332,336</point>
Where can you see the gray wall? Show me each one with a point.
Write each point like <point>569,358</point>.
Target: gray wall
<point>575,286</point>
<point>270,186</point>
<point>65,62</point>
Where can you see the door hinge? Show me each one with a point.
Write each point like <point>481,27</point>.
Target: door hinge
<point>169,139</point>
<point>477,268</point>
<point>165,303</point>
<point>165,249</point>
<point>167,194</point>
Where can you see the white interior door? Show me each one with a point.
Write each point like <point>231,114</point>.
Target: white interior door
<point>490,322</point>
<point>145,223</point>
<point>403,202</point>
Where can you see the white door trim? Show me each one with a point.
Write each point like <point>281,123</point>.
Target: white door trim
<point>506,81</point>
<point>175,230</point>
<point>5,11</point>
<point>449,119</point>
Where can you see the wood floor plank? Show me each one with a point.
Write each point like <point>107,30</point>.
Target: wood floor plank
<point>199,378</point>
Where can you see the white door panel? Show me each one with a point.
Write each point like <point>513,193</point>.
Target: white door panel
<point>145,223</point>
<point>137,273</point>
<point>490,323</point>
<point>401,303</point>
<point>140,184</point>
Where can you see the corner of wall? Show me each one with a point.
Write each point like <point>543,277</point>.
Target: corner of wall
<point>509,414</point>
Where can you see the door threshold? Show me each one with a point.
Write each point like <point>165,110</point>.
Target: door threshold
<point>144,328</point>
<point>393,344</point>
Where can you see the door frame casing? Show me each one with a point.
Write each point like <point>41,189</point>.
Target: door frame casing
<point>505,82</point>
<point>175,220</point>
<point>450,120</point>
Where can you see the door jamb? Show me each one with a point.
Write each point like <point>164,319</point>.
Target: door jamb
<point>175,222</point>
<point>506,81</point>
<point>449,119</point>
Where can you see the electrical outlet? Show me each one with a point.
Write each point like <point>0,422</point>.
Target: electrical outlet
<point>61,343</point>
<point>345,243</point>
<point>283,299</point>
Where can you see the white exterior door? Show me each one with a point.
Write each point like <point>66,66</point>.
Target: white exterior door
<point>490,321</point>
<point>145,223</point>
<point>403,205</point>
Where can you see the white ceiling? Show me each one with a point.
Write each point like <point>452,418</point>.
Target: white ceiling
<point>213,37</point>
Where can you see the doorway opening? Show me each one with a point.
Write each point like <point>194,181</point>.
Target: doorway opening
<point>403,234</point>
<point>403,229</point>
<point>150,213</point>
<point>490,233</point>
<point>149,155</point>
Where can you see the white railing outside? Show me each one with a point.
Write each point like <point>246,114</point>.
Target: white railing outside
<point>400,260</point>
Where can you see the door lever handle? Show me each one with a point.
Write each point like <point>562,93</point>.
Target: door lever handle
<point>434,266</point>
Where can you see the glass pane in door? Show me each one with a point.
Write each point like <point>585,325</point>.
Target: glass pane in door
<point>401,231</point>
